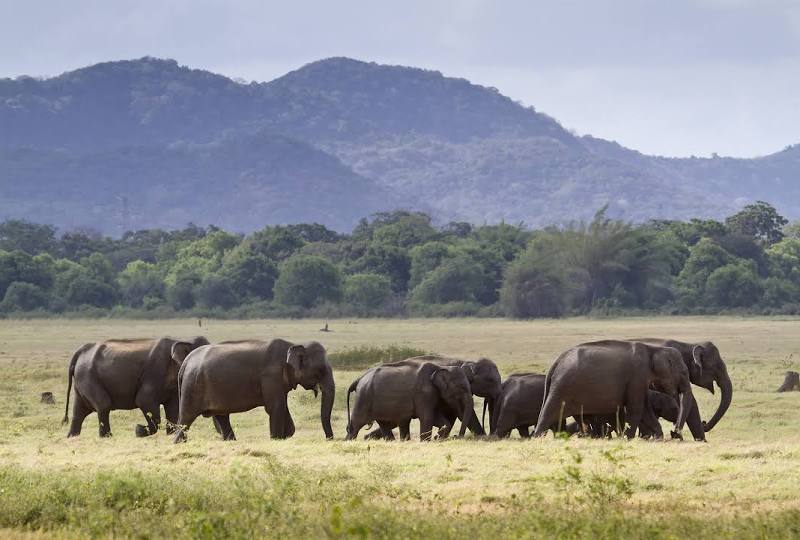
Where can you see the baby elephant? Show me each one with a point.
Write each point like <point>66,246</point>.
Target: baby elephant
<point>518,405</point>
<point>660,405</point>
<point>387,394</point>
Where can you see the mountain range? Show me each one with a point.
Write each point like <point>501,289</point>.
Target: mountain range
<point>150,143</point>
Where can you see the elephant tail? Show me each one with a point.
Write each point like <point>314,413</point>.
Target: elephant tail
<point>350,390</point>
<point>71,375</point>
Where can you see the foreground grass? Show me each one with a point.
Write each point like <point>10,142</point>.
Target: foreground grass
<point>742,484</point>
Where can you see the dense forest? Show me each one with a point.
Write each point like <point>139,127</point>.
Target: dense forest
<point>400,264</point>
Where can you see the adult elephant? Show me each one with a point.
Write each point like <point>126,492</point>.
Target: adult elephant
<point>484,380</point>
<point>606,377</point>
<point>394,394</point>
<point>127,374</point>
<point>706,367</point>
<point>233,377</point>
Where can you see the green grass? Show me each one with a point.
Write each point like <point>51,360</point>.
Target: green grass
<point>364,356</point>
<point>742,484</point>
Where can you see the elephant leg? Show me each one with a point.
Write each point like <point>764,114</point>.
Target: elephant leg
<point>695,423</point>
<point>278,413</point>
<point>80,410</point>
<point>151,409</point>
<point>171,413</point>
<point>185,423</point>
<point>105,423</point>
<point>634,411</point>
<point>524,432</point>
<point>386,430</point>
<point>377,433</point>
<point>223,424</point>
<point>426,420</point>
<point>405,430</point>
<point>444,421</point>
<point>650,427</point>
<point>288,427</point>
<point>549,415</point>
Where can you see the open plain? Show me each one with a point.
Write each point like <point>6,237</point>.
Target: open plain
<point>743,483</point>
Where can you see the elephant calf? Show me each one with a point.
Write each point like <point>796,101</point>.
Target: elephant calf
<point>217,380</point>
<point>394,394</point>
<point>659,404</point>
<point>519,404</point>
<point>127,374</point>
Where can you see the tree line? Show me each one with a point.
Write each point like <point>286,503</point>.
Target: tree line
<point>399,263</point>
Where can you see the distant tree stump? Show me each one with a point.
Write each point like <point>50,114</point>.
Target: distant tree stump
<point>48,399</point>
<point>790,382</point>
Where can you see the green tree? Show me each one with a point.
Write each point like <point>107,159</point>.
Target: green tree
<point>704,257</point>
<point>734,285</point>
<point>216,291</point>
<point>87,290</point>
<point>22,296</point>
<point>21,266</point>
<point>307,280</point>
<point>535,284</point>
<point>778,291</point>
<point>181,294</point>
<point>138,281</point>
<point>760,220</point>
<point>455,280</point>
<point>32,238</point>
<point>424,259</point>
<point>249,273</point>
<point>369,291</point>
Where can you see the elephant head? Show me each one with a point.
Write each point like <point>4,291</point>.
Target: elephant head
<point>308,366</point>
<point>181,349</point>
<point>709,368</point>
<point>663,405</point>
<point>455,390</point>
<point>671,376</point>
<point>485,382</point>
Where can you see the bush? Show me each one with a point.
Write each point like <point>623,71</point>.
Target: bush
<point>216,291</point>
<point>24,297</point>
<point>733,285</point>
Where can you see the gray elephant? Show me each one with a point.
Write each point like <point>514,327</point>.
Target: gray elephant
<point>127,374</point>
<point>233,377</point>
<point>484,380</point>
<point>519,404</point>
<point>394,394</point>
<point>606,377</point>
<point>660,405</point>
<point>706,367</point>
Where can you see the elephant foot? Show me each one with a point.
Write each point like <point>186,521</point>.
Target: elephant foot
<point>170,428</point>
<point>71,435</point>
<point>142,431</point>
<point>106,435</point>
<point>676,435</point>
<point>180,437</point>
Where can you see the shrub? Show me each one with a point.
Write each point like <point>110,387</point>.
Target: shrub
<point>365,356</point>
<point>306,280</point>
<point>24,297</point>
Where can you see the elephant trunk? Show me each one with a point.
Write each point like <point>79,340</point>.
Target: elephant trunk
<point>328,388</point>
<point>685,405</point>
<point>483,415</point>
<point>725,385</point>
<point>469,410</point>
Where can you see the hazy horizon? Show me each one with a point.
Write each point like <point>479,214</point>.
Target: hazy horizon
<point>692,78</point>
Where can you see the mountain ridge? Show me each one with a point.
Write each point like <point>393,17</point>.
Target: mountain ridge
<point>396,137</point>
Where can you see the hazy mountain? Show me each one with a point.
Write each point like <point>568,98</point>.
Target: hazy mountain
<point>330,142</point>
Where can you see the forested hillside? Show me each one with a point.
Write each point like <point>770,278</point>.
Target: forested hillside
<point>151,144</point>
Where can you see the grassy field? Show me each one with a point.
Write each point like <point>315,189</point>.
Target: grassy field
<point>744,483</point>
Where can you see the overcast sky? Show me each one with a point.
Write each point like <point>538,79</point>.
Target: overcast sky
<point>676,77</point>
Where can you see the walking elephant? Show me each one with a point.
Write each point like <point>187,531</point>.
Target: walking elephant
<point>484,380</point>
<point>394,394</point>
<point>233,377</point>
<point>706,367</point>
<point>606,377</point>
<point>127,374</point>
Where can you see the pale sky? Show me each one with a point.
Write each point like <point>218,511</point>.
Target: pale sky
<point>677,77</point>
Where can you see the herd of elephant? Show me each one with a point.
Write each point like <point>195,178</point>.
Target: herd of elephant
<point>592,389</point>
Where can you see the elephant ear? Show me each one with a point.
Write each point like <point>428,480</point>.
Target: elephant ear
<point>180,350</point>
<point>660,363</point>
<point>698,352</point>
<point>469,370</point>
<point>438,380</point>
